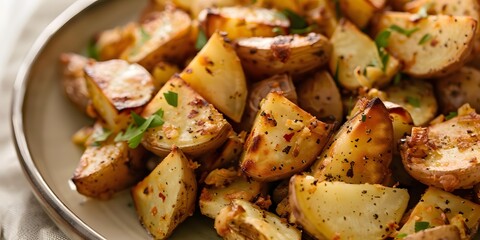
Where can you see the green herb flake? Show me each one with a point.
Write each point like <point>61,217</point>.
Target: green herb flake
<point>134,133</point>
<point>420,226</point>
<point>382,39</point>
<point>98,138</point>
<point>171,98</point>
<point>304,30</point>
<point>145,35</point>
<point>201,40</point>
<point>139,120</point>
<point>398,78</point>
<point>401,235</point>
<point>92,50</point>
<point>364,117</point>
<point>385,57</point>
<point>425,39</point>
<point>278,31</point>
<point>296,21</point>
<point>413,101</point>
<point>451,115</point>
<point>406,32</point>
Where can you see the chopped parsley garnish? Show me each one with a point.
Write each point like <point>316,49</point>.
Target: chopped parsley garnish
<point>451,115</point>
<point>172,98</point>
<point>278,31</point>
<point>425,39</point>
<point>98,138</point>
<point>145,35</point>
<point>201,40</point>
<point>135,131</point>
<point>406,32</point>
<point>304,30</point>
<point>92,50</point>
<point>420,226</point>
<point>401,235</point>
<point>382,42</point>
<point>413,101</point>
<point>298,25</point>
<point>364,117</point>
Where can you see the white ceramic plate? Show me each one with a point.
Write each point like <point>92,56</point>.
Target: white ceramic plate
<point>44,121</point>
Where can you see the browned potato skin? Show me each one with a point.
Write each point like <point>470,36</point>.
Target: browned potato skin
<point>459,88</point>
<point>279,83</point>
<point>319,95</point>
<point>427,154</point>
<point>361,151</point>
<point>109,168</point>
<point>241,22</point>
<point>444,232</point>
<point>264,57</point>
<point>73,79</point>
<point>284,140</point>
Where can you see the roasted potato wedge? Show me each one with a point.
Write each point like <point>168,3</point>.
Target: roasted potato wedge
<point>445,155</point>
<point>360,12</point>
<point>108,167</point>
<point>279,83</point>
<point>166,197</point>
<point>264,57</point>
<point>449,232</point>
<point>457,89</point>
<point>361,151</point>
<point>196,6</point>
<point>438,208</point>
<point>319,95</point>
<point>217,75</point>
<point>73,79</point>
<point>111,43</point>
<point>156,40</point>
<point>355,60</point>
<point>224,186</point>
<point>434,46</point>
<point>117,88</point>
<point>417,96</point>
<point>241,22</point>
<point>244,220</point>
<point>162,72</point>
<point>194,125</point>
<point>284,140</point>
<point>337,210</point>
<point>324,14</point>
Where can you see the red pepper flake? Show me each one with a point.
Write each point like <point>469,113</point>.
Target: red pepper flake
<point>288,137</point>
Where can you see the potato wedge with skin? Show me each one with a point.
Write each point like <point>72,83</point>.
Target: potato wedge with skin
<point>360,12</point>
<point>361,151</point>
<point>73,79</point>
<point>439,208</point>
<point>438,46</point>
<point>457,89</point>
<point>319,95</point>
<point>449,232</point>
<point>166,197</point>
<point>244,220</point>
<point>355,60</point>
<point>108,168</point>
<point>337,210</point>
<point>323,13</point>
<point>219,194</point>
<point>417,96</point>
<point>194,125</point>
<point>445,155</point>
<point>284,140</point>
<point>296,55</point>
<point>111,43</point>
<point>241,22</point>
<point>117,88</point>
<point>216,73</point>
<point>279,83</point>
<point>165,37</point>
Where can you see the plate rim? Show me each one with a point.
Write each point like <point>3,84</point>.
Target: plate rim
<point>62,216</point>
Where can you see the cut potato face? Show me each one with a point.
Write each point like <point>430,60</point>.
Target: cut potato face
<point>165,37</point>
<point>437,45</point>
<point>220,193</point>
<point>111,43</point>
<point>361,151</point>
<point>361,11</point>
<point>322,13</point>
<point>264,57</point>
<point>244,220</point>
<point>449,232</point>
<point>355,60</point>
<point>438,208</point>
<point>457,89</point>
<point>284,140</point>
<point>162,72</point>
<point>73,79</point>
<point>319,95</point>
<point>108,168</point>
<point>217,75</point>
<point>241,22</point>
<point>445,155</point>
<point>194,125</point>
<point>166,197</point>
<point>337,210</point>
<point>117,88</point>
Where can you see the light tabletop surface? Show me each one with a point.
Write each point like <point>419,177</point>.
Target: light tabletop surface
<point>21,21</point>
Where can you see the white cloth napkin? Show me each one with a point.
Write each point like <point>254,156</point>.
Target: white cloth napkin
<point>21,216</point>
